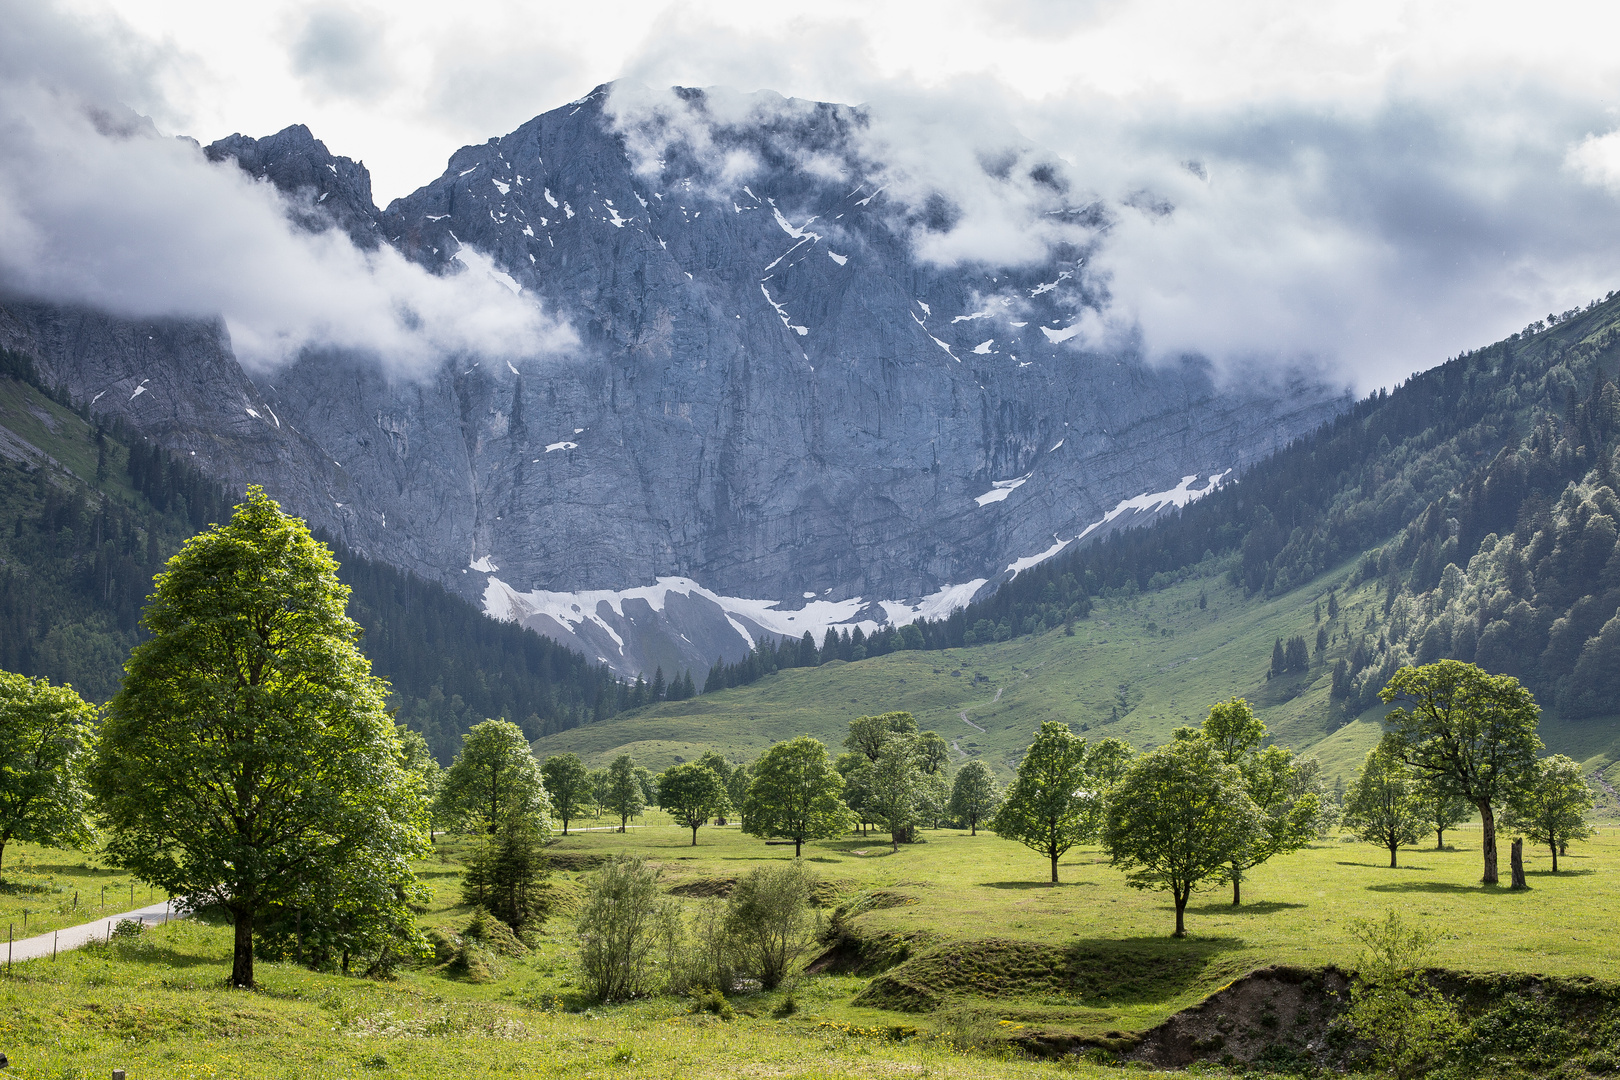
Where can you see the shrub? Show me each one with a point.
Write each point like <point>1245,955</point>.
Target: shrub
<point>709,956</point>
<point>619,929</point>
<point>769,917</point>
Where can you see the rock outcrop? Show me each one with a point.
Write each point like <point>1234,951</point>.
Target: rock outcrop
<point>772,395</point>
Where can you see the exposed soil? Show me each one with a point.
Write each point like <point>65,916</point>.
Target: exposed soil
<point>1276,1014</point>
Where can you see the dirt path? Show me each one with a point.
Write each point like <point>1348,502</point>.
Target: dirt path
<point>971,724</point>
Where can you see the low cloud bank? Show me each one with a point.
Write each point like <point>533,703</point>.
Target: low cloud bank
<point>98,208</point>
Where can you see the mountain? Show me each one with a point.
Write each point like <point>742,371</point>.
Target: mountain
<point>777,416</point>
<point>89,513</point>
<point>1468,513</point>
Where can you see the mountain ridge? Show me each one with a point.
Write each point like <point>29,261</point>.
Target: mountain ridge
<point>749,406</point>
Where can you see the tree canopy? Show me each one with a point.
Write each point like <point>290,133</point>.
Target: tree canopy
<point>622,790</point>
<point>1179,817</point>
<point>1290,813</point>
<point>1056,801</point>
<point>1383,806</point>
<point>568,783</point>
<point>794,794</point>
<point>1471,733</point>
<point>45,738</point>
<point>692,793</point>
<point>1551,806</point>
<point>249,759</point>
<point>975,795</point>
<point>494,779</point>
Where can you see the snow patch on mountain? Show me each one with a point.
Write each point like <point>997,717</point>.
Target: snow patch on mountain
<point>1150,502</point>
<point>575,618</point>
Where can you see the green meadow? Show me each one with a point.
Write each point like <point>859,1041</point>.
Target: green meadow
<point>977,950</point>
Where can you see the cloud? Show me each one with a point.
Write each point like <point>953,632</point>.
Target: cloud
<point>341,51</point>
<point>1377,196</point>
<point>97,208</point>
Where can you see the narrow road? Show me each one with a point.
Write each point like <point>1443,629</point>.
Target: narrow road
<point>72,937</point>
<point>971,724</point>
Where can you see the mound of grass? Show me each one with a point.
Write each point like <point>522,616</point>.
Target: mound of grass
<point>1096,972</point>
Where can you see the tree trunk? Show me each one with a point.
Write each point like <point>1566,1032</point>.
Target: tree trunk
<point>1517,861</point>
<point>565,826</point>
<point>973,826</point>
<point>5,839</point>
<point>694,835</point>
<point>1554,848</point>
<point>1487,828</point>
<point>1054,867</point>
<point>798,847</point>
<point>1392,848</point>
<point>242,955</point>
<point>624,820</point>
<point>1439,839</point>
<point>1237,886</point>
<point>1181,911</point>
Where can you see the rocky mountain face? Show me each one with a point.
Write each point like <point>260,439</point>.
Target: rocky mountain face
<point>777,417</point>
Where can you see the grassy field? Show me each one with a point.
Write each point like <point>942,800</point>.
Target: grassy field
<point>992,950</point>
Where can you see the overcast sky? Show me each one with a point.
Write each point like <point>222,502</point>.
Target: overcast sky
<point>1365,186</point>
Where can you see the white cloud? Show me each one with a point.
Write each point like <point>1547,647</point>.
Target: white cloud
<point>1388,181</point>
<point>112,214</point>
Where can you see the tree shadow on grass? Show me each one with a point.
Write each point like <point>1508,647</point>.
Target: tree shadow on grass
<point>1226,907</point>
<point>1021,885</point>
<point>1433,887</point>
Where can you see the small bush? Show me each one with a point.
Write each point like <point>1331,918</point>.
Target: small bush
<point>619,928</point>
<point>786,1007</point>
<point>494,935</point>
<point>710,1000</point>
<point>769,917</point>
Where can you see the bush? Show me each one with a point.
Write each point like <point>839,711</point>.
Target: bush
<point>619,928</point>
<point>709,956</point>
<point>710,1000</point>
<point>1409,1026</point>
<point>769,917</point>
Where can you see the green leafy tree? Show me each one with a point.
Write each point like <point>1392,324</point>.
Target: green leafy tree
<point>45,738</point>
<point>495,777</point>
<point>1443,810</point>
<point>568,783</point>
<point>623,792</point>
<point>795,794</point>
<point>1054,802</point>
<point>1178,818</point>
<point>737,787</point>
<point>1289,811</point>
<point>975,795</point>
<point>1551,806</point>
<point>723,769</point>
<point>1472,733</point>
<point>249,755</point>
<point>867,734</point>
<point>856,771</point>
<point>896,787</point>
<point>416,758</point>
<point>692,794</point>
<point>1383,805</point>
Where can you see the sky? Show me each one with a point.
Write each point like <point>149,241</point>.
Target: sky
<point>1363,188</point>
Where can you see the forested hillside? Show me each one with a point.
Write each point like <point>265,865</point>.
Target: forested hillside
<point>88,514</point>
<point>1481,492</point>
